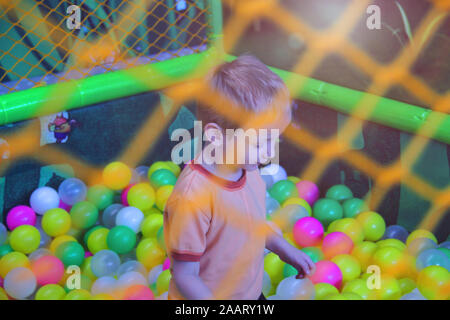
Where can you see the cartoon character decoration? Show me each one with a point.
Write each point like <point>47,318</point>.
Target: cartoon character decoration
<point>61,127</point>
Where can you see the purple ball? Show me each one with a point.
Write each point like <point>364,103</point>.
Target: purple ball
<point>20,215</point>
<point>396,232</point>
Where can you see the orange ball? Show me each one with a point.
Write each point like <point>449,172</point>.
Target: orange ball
<point>116,175</point>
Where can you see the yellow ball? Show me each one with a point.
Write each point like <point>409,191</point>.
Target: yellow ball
<point>60,240</point>
<point>25,239</point>
<point>97,240</point>
<point>50,292</point>
<point>162,194</point>
<point>336,296</point>
<point>288,236</point>
<point>86,269</point>
<point>433,283</point>
<point>149,253</point>
<point>373,225</point>
<point>173,167</point>
<point>324,289</point>
<point>359,287</point>
<point>420,233</point>
<point>389,289</point>
<point>3,295</point>
<point>352,296</point>
<point>116,175</point>
<point>161,165</point>
<point>13,260</point>
<point>151,225</point>
<point>293,179</point>
<point>363,252</point>
<point>350,227</point>
<point>273,265</point>
<point>141,196</point>
<point>391,243</point>
<point>103,296</point>
<point>78,294</point>
<point>162,283</point>
<point>298,201</point>
<point>350,267</point>
<point>406,285</point>
<point>56,222</point>
<point>390,260</point>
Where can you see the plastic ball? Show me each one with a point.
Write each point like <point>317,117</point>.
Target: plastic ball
<point>307,232</point>
<point>390,260</point>
<point>396,232</point>
<point>43,199</point>
<point>296,289</point>
<point>154,274</point>
<point>162,283</point>
<point>105,263</point>
<point>138,292</point>
<point>160,238</point>
<point>78,294</point>
<point>414,295</point>
<point>350,227</point>
<point>20,283</point>
<point>50,292</point>
<point>308,191</point>
<point>72,190</point>
<point>283,190</point>
<point>349,266</point>
<point>363,253</point>
<point>142,172</point>
<point>56,242</point>
<point>352,296</point>
<point>354,206</point>
<point>11,261</point>
<point>445,244</point>
<point>84,215</point>
<point>327,210</point>
<point>151,224</point>
<point>5,249</point>
<point>314,253</point>
<point>328,272</point>
<point>446,251</point>
<point>109,215</point>
<point>101,196</point>
<point>433,283</point>
<point>162,177</point>
<point>359,287</point>
<point>124,194</point>
<point>159,165</point>
<point>116,175</point>
<point>121,239</point>
<point>418,245</point>
<point>298,201</point>
<point>373,225</point>
<point>406,285</point>
<point>97,239</point>
<point>162,194</point>
<point>286,217</point>
<point>39,253</point>
<point>339,192</point>
<point>89,232</point>
<point>48,270</point>
<point>275,171</point>
<point>391,243</point>
<point>130,278</point>
<point>420,234</point>
<point>389,289</point>
<point>3,234</point>
<point>20,215</point>
<point>336,243</point>
<point>131,217</point>
<point>274,266</point>
<point>102,296</point>
<point>70,253</point>
<point>324,289</point>
<point>272,205</point>
<point>149,253</point>
<point>56,222</point>
<point>25,239</point>
<point>86,268</point>
<point>174,168</point>
<point>432,257</point>
<point>267,284</point>
<point>141,196</point>
<point>131,265</point>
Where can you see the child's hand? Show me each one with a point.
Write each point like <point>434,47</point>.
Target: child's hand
<point>302,262</point>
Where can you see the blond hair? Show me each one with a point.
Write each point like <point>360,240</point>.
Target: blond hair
<point>247,84</point>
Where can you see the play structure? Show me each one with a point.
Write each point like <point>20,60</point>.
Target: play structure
<point>91,91</point>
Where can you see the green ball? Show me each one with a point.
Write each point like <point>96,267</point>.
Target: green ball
<point>314,253</point>
<point>160,238</point>
<point>84,215</point>
<point>88,233</point>
<point>446,251</point>
<point>101,196</point>
<point>354,206</point>
<point>85,283</point>
<point>70,253</point>
<point>283,190</point>
<point>339,192</point>
<point>121,239</point>
<point>50,292</point>
<point>5,249</point>
<point>162,177</point>
<point>289,271</point>
<point>327,210</point>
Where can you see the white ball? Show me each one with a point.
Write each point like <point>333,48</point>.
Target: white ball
<point>20,283</point>
<point>291,288</point>
<point>131,217</point>
<point>43,199</point>
<point>131,278</point>
<point>104,284</point>
<point>154,274</point>
<point>276,171</point>
<point>267,284</point>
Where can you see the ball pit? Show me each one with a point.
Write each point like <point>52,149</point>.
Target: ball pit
<point>114,232</point>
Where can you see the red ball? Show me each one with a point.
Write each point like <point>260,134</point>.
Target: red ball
<point>47,270</point>
<point>328,272</point>
<point>138,292</point>
<point>336,243</point>
<point>307,232</point>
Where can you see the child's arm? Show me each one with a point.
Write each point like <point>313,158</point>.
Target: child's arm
<point>190,285</point>
<point>289,254</point>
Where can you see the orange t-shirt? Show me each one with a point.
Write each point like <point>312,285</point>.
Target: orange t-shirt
<point>222,225</point>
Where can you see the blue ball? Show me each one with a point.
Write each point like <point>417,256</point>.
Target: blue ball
<point>432,257</point>
<point>396,232</point>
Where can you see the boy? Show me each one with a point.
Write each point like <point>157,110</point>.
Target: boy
<point>214,221</point>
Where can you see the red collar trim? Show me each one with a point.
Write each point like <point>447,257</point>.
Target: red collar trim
<point>228,184</point>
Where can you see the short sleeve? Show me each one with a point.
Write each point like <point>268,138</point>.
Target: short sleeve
<point>185,226</point>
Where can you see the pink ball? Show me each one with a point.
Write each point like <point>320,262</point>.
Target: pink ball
<point>1,282</point>
<point>166,264</point>
<point>20,215</point>
<point>138,292</point>
<point>88,254</point>
<point>336,243</point>
<point>64,206</point>
<point>328,272</point>
<point>48,270</point>
<point>124,195</point>
<point>307,232</point>
<point>308,191</point>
